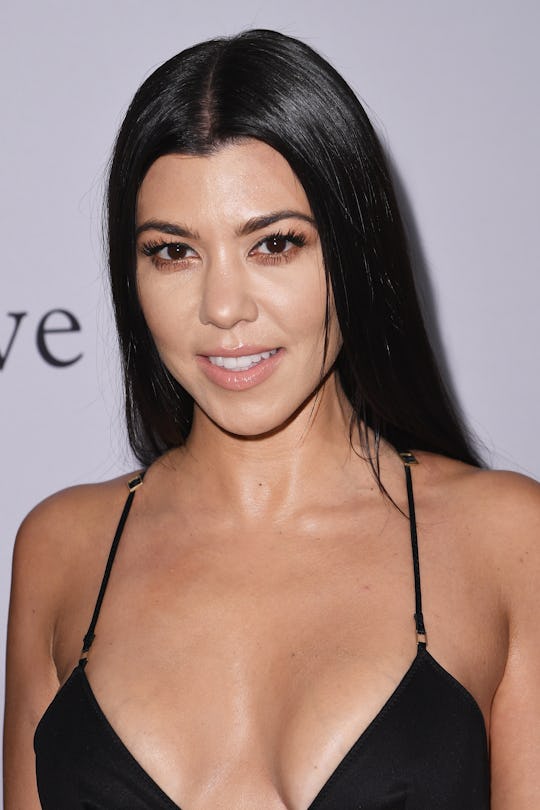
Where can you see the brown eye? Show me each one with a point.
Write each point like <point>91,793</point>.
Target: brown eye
<point>175,252</point>
<point>279,244</point>
<point>168,253</point>
<point>276,244</point>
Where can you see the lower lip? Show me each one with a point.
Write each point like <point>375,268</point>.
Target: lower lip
<point>236,379</point>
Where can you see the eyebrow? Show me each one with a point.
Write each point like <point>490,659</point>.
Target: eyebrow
<point>252,225</point>
<point>258,223</point>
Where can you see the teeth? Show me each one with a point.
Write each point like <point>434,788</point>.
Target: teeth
<point>241,363</point>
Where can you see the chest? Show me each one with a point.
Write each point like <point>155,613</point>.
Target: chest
<point>267,657</point>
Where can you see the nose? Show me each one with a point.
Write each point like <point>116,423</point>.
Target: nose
<point>226,298</point>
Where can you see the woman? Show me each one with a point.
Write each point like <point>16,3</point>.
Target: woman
<point>315,597</point>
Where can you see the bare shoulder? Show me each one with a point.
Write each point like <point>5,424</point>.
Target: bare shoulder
<point>53,576</point>
<point>56,536</point>
<point>62,521</point>
<point>497,509</point>
<point>494,522</point>
<point>493,497</point>
<point>478,486</point>
<point>58,560</point>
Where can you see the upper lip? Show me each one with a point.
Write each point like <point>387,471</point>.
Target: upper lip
<point>240,351</point>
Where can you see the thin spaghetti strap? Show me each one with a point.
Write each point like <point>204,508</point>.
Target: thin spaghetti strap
<point>132,484</point>
<point>408,459</point>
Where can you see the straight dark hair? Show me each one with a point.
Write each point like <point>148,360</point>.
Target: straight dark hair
<point>265,85</point>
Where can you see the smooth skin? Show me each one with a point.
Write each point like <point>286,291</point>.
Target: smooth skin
<point>237,654</point>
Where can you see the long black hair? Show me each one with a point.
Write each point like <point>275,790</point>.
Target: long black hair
<point>265,85</point>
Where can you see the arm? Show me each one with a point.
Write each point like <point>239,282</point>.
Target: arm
<point>31,678</point>
<point>57,567</point>
<point>515,725</point>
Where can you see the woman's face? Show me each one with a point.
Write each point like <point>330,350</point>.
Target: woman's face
<point>232,285</point>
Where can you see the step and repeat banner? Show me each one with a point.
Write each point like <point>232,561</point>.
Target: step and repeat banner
<point>451,87</point>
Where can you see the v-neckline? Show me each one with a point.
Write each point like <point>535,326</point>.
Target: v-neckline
<point>421,655</point>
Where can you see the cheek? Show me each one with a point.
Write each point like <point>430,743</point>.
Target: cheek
<point>299,301</point>
<point>330,330</point>
<point>313,322</point>
<point>335,340</point>
<point>164,312</point>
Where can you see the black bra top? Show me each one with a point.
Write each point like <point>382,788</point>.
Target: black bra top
<point>425,750</point>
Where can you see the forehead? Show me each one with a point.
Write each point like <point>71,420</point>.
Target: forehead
<point>237,181</point>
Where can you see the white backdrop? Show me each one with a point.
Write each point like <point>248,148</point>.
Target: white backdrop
<point>452,88</point>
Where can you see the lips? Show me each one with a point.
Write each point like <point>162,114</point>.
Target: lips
<point>240,369</point>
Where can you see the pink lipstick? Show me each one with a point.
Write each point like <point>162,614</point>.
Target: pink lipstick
<point>242,368</point>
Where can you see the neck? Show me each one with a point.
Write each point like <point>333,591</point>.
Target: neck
<point>281,470</point>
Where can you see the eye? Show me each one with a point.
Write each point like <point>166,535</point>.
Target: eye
<point>173,252</point>
<point>168,253</point>
<point>275,244</point>
<point>278,246</point>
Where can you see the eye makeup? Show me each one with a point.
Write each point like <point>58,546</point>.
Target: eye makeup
<point>274,248</point>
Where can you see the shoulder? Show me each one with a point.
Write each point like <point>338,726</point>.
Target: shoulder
<point>71,513</point>
<point>492,495</point>
<point>56,537</point>
<point>496,512</point>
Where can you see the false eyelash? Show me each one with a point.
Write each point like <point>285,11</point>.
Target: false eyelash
<point>296,238</point>
<point>152,247</point>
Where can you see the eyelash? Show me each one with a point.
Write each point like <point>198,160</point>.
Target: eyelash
<point>298,240</point>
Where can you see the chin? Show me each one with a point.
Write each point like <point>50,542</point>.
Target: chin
<point>251,428</point>
<point>249,424</point>
<point>256,433</point>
